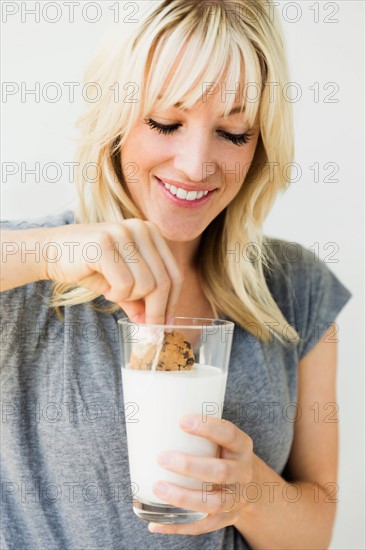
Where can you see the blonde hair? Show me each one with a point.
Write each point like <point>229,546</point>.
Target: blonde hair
<point>218,39</point>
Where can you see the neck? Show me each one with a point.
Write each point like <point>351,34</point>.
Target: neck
<point>192,300</point>
<point>185,254</point>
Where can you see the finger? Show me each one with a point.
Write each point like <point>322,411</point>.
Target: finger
<point>205,500</point>
<point>155,301</point>
<point>110,266</point>
<point>206,525</point>
<point>128,259</point>
<point>206,469</point>
<point>95,282</point>
<point>172,269</point>
<point>134,310</point>
<point>223,432</point>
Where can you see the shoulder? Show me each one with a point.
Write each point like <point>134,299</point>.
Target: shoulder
<point>29,301</point>
<point>293,264</point>
<point>290,255</point>
<point>52,220</point>
<point>305,288</point>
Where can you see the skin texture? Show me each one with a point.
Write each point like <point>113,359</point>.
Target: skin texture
<point>306,524</point>
<point>181,156</point>
<point>279,524</point>
<point>271,523</point>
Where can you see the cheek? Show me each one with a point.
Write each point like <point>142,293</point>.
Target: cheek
<point>139,157</point>
<point>236,168</point>
<point>134,161</point>
<point>247,160</point>
<point>134,145</point>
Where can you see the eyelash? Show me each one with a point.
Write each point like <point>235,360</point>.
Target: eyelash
<point>240,139</point>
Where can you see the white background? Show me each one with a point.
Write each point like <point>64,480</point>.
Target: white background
<point>327,216</point>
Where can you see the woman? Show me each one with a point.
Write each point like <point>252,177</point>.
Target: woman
<point>171,224</point>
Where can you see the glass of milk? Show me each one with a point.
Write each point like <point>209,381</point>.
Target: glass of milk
<point>155,401</point>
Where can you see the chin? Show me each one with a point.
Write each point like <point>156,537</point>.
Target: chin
<point>180,236</point>
<point>174,231</point>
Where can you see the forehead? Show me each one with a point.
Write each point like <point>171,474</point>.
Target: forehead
<point>215,93</point>
<point>185,80</point>
<point>215,98</point>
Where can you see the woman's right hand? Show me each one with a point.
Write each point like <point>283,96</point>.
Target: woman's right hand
<point>130,263</point>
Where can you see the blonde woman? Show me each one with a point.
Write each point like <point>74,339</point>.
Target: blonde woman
<point>170,223</point>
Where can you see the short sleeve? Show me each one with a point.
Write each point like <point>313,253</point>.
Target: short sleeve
<point>320,297</point>
<point>24,302</point>
<point>306,290</point>
<point>54,220</point>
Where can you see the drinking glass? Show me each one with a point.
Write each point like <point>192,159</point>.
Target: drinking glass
<point>196,351</point>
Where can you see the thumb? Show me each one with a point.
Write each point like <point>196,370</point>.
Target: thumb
<point>135,310</point>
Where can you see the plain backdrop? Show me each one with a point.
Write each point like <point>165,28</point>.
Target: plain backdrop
<point>323,209</point>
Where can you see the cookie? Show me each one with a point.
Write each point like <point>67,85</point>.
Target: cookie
<point>175,354</point>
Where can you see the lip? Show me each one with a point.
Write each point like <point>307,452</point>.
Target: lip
<point>182,202</point>
<point>186,187</point>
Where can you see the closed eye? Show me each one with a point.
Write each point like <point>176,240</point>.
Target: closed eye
<point>237,139</point>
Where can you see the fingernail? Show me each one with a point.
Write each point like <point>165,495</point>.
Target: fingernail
<point>170,321</point>
<point>154,528</point>
<point>189,423</point>
<point>165,459</point>
<point>161,487</point>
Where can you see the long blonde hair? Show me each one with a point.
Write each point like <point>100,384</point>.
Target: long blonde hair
<point>131,68</point>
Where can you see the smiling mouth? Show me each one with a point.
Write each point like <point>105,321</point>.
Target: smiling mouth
<point>183,194</point>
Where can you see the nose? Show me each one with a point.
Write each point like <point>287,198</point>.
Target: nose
<point>195,157</point>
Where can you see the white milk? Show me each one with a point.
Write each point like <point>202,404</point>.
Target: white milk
<point>158,400</point>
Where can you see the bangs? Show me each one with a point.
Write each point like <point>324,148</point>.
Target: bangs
<point>185,68</point>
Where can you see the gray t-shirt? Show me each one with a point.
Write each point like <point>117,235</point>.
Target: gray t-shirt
<point>65,473</point>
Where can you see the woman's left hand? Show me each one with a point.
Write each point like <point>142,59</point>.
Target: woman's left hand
<point>223,478</point>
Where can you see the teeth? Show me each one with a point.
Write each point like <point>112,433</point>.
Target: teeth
<point>183,194</point>
<point>192,195</point>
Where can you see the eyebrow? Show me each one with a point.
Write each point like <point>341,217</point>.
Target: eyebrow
<point>178,105</point>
